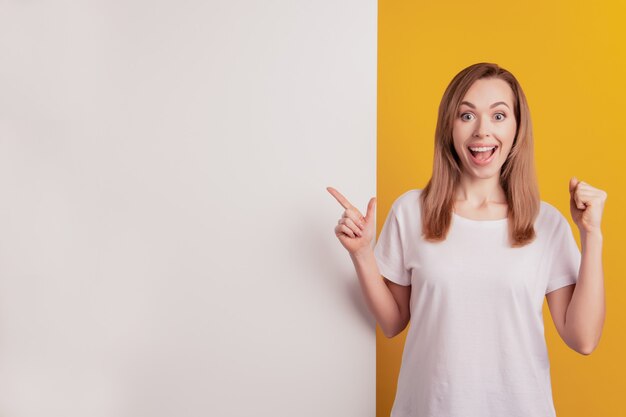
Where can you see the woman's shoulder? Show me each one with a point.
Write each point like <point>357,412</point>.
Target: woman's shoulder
<point>408,200</point>
<point>549,215</point>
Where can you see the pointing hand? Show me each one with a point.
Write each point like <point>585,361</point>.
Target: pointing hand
<point>354,231</point>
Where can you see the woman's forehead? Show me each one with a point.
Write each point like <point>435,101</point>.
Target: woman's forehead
<point>488,92</point>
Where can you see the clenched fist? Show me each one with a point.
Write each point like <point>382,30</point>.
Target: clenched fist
<point>586,205</point>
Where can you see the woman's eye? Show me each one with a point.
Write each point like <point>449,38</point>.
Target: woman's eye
<point>498,116</point>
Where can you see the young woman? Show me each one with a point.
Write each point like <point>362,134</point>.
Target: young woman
<point>469,258</point>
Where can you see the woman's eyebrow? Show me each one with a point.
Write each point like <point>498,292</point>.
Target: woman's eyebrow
<point>493,105</point>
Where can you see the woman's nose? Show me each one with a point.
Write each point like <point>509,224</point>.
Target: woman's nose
<point>481,133</point>
<point>482,128</point>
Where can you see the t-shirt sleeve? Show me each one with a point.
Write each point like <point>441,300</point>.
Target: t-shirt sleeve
<point>564,261</point>
<point>389,252</point>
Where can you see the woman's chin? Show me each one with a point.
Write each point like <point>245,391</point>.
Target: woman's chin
<point>483,173</point>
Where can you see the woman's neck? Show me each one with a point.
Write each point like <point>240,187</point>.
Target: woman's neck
<point>480,192</point>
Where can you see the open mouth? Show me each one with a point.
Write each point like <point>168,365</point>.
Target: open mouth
<point>482,155</point>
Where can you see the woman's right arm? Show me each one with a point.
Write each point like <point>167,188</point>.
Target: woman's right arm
<point>388,301</point>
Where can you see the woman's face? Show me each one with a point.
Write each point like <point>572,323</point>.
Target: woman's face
<point>484,127</point>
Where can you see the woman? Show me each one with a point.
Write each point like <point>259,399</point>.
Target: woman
<point>470,257</point>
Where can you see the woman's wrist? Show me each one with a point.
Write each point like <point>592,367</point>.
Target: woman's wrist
<point>362,254</point>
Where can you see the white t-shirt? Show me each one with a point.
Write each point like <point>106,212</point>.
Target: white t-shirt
<point>475,345</point>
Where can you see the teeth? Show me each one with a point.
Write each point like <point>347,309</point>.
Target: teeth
<point>483,148</point>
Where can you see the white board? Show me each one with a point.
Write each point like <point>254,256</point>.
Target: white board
<point>166,239</point>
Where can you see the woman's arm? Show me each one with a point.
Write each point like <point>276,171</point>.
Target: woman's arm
<point>355,232</point>
<point>584,318</point>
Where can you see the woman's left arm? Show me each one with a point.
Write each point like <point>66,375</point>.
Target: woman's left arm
<point>584,318</point>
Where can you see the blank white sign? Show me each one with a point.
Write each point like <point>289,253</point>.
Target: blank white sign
<point>166,238</point>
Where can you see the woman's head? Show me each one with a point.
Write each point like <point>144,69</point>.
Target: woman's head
<point>472,83</point>
<point>461,126</point>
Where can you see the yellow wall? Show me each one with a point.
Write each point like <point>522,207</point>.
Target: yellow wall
<point>570,58</point>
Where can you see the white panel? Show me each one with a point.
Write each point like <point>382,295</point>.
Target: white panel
<point>166,238</point>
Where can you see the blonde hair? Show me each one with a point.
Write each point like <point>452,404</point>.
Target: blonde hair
<point>517,177</point>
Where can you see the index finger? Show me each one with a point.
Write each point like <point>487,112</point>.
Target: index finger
<point>339,197</point>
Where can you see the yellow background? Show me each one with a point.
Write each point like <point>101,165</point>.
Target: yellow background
<point>571,62</point>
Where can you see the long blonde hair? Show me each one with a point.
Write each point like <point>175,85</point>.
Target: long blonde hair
<point>517,177</point>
